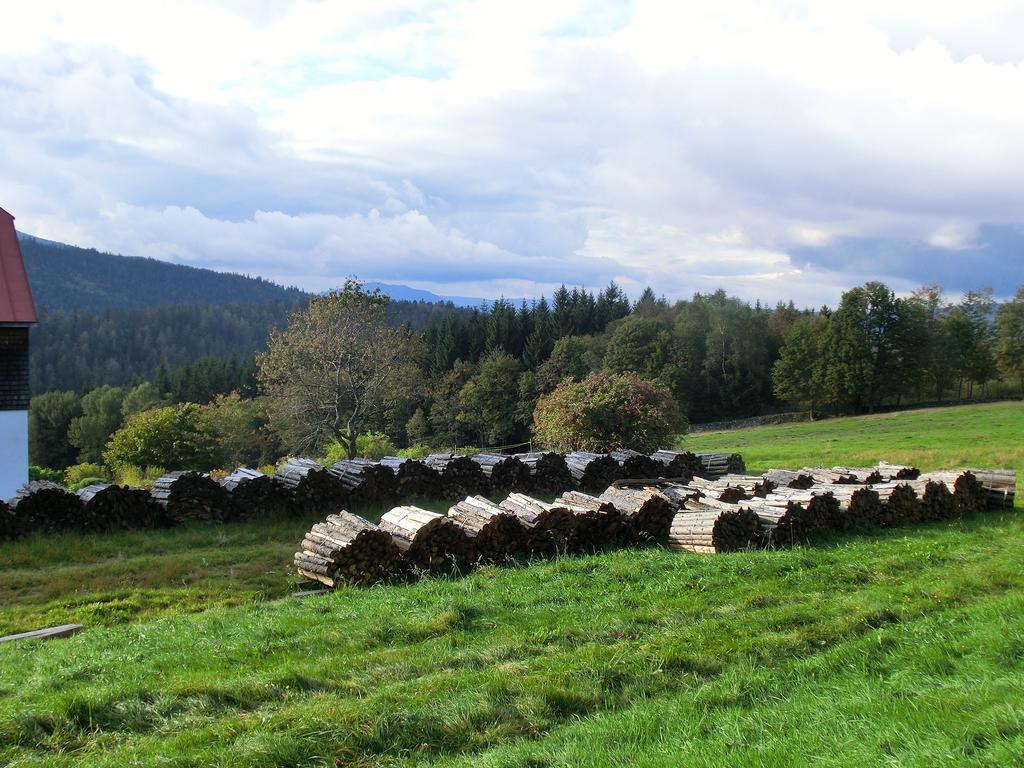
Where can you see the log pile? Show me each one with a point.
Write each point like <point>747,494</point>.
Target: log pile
<point>497,534</point>
<point>897,471</point>
<point>717,464</point>
<point>365,481</point>
<point>415,479</point>
<point>597,523</point>
<point>1000,486</point>
<point>787,478</point>
<point>109,507</point>
<point>636,464</point>
<point>460,476</point>
<point>700,515</point>
<point>863,475</point>
<point>10,527</point>
<point>707,530</point>
<point>503,473</point>
<point>345,547</point>
<point>309,486</point>
<point>548,470</point>
<point>677,463</point>
<point>592,471</point>
<point>188,495</point>
<point>250,492</point>
<point>649,512</point>
<point>549,527</point>
<point>428,540</point>
<point>44,506</point>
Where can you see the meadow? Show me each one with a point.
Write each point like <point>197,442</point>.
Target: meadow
<point>896,647</point>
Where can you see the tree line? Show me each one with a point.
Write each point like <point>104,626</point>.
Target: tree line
<point>348,367</point>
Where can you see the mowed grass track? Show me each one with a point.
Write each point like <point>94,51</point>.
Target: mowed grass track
<point>901,647</point>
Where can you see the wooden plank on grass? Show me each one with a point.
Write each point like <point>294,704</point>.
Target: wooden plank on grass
<point>48,633</point>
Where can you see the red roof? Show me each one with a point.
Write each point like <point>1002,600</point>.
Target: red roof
<point>16,305</point>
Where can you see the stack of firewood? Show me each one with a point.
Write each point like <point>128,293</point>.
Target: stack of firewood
<point>592,470</point>
<point>460,475</point>
<point>497,534</point>
<point>1000,486</point>
<point>548,471</point>
<point>111,507</point>
<point>718,464</point>
<point>707,530</point>
<point>636,464</point>
<point>596,523</point>
<point>188,495</point>
<point>347,548</point>
<point>415,479</point>
<point>310,486</point>
<point>428,540</point>
<point>549,527</point>
<point>677,463</point>
<point>251,492</point>
<point>365,481</point>
<point>649,512</point>
<point>503,473</point>
<point>44,506</point>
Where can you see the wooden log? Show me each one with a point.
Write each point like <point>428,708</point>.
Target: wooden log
<point>497,534</point>
<point>428,540</point>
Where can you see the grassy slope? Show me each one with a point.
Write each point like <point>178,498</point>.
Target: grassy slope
<point>905,647</point>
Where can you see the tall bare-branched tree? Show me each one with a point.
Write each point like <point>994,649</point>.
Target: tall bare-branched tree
<point>336,367</point>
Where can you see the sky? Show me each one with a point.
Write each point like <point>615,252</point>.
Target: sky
<point>780,151</point>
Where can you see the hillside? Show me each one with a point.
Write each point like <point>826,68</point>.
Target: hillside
<point>110,319</point>
<point>65,277</point>
<point>897,647</point>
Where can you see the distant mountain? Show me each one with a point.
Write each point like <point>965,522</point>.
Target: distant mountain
<point>66,277</point>
<point>405,293</point>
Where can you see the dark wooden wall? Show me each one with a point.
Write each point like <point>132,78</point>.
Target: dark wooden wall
<point>14,392</point>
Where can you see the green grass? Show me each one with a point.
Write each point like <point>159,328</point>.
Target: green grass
<point>990,435</point>
<point>902,647</point>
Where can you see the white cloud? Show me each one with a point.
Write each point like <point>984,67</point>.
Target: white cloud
<point>489,146</point>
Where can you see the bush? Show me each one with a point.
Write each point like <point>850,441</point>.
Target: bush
<point>417,451</point>
<point>85,482</point>
<point>606,411</point>
<point>42,473</point>
<point>79,472</point>
<point>374,446</point>
<point>176,437</point>
<point>138,477</point>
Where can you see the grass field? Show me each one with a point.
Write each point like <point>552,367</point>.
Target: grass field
<point>904,647</point>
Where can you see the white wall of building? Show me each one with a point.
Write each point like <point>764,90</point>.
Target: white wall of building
<point>13,452</point>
